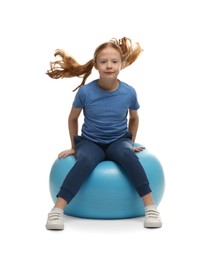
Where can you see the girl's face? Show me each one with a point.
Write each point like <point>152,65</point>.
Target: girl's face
<point>108,63</point>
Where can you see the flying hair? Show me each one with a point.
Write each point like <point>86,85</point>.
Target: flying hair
<point>68,67</point>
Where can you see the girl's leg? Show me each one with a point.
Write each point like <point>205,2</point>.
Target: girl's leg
<point>148,199</point>
<point>88,156</point>
<point>121,151</point>
<point>60,203</point>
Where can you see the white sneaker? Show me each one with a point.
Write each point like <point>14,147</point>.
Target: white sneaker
<point>152,218</point>
<point>55,220</point>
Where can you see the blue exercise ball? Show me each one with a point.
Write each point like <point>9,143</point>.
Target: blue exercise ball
<point>108,193</point>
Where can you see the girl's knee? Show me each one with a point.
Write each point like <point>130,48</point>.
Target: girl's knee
<point>123,154</point>
<point>90,161</point>
<point>126,153</point>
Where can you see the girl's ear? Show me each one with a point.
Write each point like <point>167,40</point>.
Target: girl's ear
<point>95,65</point>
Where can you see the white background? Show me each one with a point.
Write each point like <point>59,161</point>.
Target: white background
<point>169,76</point>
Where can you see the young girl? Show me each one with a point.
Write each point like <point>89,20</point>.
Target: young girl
<point>107,132</point>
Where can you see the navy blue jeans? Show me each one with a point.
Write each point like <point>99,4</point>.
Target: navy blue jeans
<point>90,154</point>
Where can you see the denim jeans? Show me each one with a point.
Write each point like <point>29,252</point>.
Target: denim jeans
<point>90,154</point>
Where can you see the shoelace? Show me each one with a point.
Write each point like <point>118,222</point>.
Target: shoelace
<point>54,215</point>
<point>152,213</point>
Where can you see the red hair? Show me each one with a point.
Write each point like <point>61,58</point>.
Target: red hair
<point>68,67</point>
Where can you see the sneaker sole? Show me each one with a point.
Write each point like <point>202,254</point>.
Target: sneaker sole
<point>54,227</point>
<point>153,225</point>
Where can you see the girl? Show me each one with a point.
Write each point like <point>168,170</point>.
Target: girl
<point>107,133</point>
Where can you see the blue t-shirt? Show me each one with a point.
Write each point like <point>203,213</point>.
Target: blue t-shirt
<point>105,113</point>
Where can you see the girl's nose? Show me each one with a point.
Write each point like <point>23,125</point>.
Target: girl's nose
<point>109,65</point>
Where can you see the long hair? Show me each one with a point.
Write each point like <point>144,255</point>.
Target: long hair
<point>68,67</point>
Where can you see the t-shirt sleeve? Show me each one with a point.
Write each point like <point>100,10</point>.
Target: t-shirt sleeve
<point>79,100</point>
<point>134,103</point>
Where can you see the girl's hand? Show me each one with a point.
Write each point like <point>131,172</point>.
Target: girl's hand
<point>138,149</point>
<point>66,153</point>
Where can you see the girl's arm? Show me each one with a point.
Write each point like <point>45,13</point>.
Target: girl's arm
<point>133,127</point>
<point>133,123</point>
<point>73,124</point>
<point>73,130</point>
